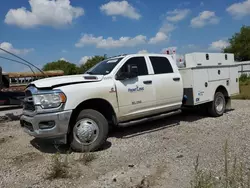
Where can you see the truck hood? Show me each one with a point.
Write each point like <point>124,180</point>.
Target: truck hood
<point>66,80</point>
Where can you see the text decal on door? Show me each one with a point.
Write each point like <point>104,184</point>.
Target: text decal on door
<point>131,90</point>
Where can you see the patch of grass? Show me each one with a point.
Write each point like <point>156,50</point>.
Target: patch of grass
<point>244,88</point>
<point>202,179</point>
<point>87,157</point>
<point>244,78</point>
<point>234,175</point>
<point>59,167</point>
<point>244,91</point>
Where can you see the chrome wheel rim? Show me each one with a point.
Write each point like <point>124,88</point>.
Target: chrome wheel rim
<point>219,104</point>
<point>86,131</point>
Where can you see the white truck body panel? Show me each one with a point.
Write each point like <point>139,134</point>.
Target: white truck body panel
<point>53,81</point>
<point>214,59</point>
<point>216,72</point>
<point>234,86</point>
<point>79,93</point>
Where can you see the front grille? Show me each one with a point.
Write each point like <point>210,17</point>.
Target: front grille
<point>29,106</point>
<point>28,103</point>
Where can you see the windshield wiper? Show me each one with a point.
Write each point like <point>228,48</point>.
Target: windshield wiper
<point>89,72</point>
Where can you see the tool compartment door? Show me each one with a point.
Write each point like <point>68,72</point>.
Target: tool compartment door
<point>218,73</point>
<point>201,88</point>
<point>234,81</point>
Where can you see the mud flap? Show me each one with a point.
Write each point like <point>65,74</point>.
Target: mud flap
<point>228,104</point>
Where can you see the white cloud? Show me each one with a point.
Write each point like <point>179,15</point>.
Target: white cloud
<point>163,34</point>
<point>167,28</point>
<point>218,45</point>
<point>108,43</point>
<point>53,13</point>
<point>9,47</point>
<point>63,59</point>
<point>120,8</point>
<point>142,52</point>
<point>159,37</point>
<point>177,15</point>
<point>122,42</point>
<point>239,10</point>
<point>88,39</point>
<point>204,18</point>
<point>84,59</point>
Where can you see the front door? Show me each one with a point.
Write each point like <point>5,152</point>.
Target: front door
<point>136,96</point>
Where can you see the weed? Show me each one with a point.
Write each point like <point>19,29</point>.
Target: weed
<point>59,168</point>
<point>87,157</point>
<point>235,175</point>
<point>201,178</point>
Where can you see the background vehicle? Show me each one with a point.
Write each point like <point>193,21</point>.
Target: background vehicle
<point>12,85</point>
<point>80,109</point>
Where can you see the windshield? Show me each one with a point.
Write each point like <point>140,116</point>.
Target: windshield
<point>104,67</point>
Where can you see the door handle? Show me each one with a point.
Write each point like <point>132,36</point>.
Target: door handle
<point>147,82</point>
<point>176,79</point>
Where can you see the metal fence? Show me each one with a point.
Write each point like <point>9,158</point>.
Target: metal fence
<point>244,67</point>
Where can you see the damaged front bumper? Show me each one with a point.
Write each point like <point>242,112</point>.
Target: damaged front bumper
<point>49,125</point>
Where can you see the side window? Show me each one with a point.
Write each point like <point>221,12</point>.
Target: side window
<point>141,64</point>
<point>161,65</point>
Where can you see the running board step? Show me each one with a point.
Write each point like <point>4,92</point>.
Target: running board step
<point>152,118</point>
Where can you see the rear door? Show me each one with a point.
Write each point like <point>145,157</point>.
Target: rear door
<point>136,96</point>
<point>167,82</point>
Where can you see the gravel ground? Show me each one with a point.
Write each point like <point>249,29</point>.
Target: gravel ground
<point>160,153</point>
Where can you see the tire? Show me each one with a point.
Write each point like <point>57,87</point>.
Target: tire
<point>218,106</point>
<point>89,132</point>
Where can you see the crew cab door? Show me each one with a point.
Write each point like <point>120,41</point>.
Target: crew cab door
<point>136,96</point>
<point>167,82</point>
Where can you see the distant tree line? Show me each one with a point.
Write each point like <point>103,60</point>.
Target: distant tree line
<point>71,68</point>
<point>240,44</point>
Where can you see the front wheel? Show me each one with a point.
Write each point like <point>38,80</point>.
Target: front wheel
<point>89,132</point>
<point>218,106</point>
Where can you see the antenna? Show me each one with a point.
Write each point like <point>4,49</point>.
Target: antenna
<point>23,60</point>
<point>18,62</point>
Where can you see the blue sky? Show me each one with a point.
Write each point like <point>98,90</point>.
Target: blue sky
<point>42,31</point>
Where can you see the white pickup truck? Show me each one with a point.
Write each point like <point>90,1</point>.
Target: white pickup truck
<point>80,109</point>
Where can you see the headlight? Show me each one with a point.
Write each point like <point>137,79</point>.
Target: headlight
<point>49,100</point>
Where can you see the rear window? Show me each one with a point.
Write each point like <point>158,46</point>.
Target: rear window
<point>161,65</point>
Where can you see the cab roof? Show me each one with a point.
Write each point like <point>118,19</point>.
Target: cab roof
<point>138,54</point>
